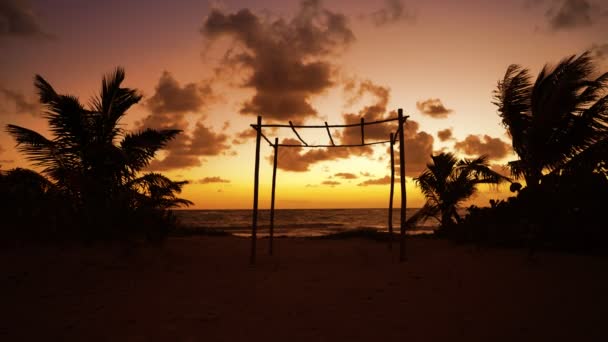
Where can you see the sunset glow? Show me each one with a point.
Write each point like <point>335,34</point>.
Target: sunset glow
<point>210,68</point>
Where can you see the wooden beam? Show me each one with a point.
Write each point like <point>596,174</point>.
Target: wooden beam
<point>329,133</point>
<point>390,200</point>
<point>274,182</point>
<point>256,183</point>
<point>362,131</point>
<point>296,132</point>
<point>330,126</point>
<point>402,181</point>
<point>267,140</point>
<point>348,145</point>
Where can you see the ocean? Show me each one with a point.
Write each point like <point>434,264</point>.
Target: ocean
<point>299,222</point>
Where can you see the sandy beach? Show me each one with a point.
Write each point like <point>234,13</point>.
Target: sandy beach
<point>203,289</point>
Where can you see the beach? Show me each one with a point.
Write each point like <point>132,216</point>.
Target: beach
<point>204,289</point>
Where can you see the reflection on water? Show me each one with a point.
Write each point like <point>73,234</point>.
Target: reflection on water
<point>299,222</point>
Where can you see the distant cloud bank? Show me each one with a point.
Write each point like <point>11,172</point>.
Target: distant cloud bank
<point>287,60</point>
<point>18,19</point>
<point>394,11</point>
<point>433,108</point>
<point>473,145</point>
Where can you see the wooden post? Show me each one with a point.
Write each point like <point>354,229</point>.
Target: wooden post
<point>256,184</point>
<point>274,182</point>
<point>402,181</point>
<point>390,201</point>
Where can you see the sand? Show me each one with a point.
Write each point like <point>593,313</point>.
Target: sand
<point>203,289</point>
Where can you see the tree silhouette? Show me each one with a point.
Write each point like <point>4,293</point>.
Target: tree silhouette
<point>92,159</point>
<point>447,182</point>
<point>559,124</point>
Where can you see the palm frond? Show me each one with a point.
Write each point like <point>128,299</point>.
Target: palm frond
<point>46,93</point>
<point>428,210</point>
<point>160,190</point>
<point>512,97</point>
<point>35,146</point>
<point>141,147</point>
<point>113,103</point>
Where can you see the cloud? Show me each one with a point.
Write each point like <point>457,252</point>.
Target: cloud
<point>170,97</point>
<point>185,151</point>
<point>331,183</point>
<point>22,105</point>
<point>244,136</point>
<point>18,19</point>
<point>418,149</point>
<point>366,174</point>
<point>433,108</point>
<point>600,51</point>
<point>445,135</point>
<point>378,181</point>
<point>1,149</point>
<point>394,11</point>
<point>569,14</point>
<point>297,160</point>
<point>418,145</point>
<point>346,175</point>
<point>168,108</point>
<point>286,60</point>
<point>374,112</point>
<point>473,145</point>
<point>210,180</point>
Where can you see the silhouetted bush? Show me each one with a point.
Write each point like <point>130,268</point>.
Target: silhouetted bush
<point>563,212</point>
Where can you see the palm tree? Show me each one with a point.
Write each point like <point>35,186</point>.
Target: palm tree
<point>447,182</point>
<point>91,157</point>
<point>559,124</point>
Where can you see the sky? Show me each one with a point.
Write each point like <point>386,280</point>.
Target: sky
<point>211,67</point>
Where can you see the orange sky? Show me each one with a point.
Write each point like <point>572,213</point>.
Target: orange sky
<point>211,68</point>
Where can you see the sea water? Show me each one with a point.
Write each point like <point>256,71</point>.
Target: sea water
<point>300,222</point>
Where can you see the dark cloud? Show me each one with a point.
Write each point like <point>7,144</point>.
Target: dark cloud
<point>375,112</point>
<point>394,11</point>
<point>170,97</point>
<point>378,181</point>
<point>445,135</point>
<point>286,59</point>
<point>297,160</point>
<point>210,180</point>
<point>168,108</point>
<point>18,19</point>
<point>433,108</point>
<point>600,51</point>
<point>418,145</point>
<point>243,136</point>
<point>249,134</point>
<point>418,149</point>
<point>570,14</point>
<point>22,105</point>
<point>346,175</point>
<point>473,145</point>
<point>331,183</point>
<point>185,151</point>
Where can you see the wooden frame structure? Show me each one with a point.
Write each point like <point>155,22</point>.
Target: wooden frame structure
<point>392,140</point>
